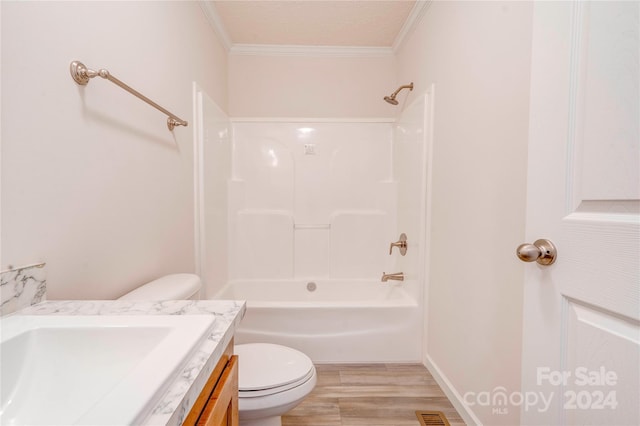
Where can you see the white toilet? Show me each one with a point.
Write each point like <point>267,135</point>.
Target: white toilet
<point>169,287</point>
<point>273,379</point>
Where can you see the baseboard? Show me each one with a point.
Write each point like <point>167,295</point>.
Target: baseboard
<point>450,391</point>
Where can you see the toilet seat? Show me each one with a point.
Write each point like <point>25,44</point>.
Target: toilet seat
<point>273,390</point>
<point>266,369</point>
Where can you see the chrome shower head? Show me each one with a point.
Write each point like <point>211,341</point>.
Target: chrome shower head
<point>392,99</point>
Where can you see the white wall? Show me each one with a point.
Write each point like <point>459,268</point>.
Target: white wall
<point>93,183</point>
<point>310,86</point>
<point>478,55</point>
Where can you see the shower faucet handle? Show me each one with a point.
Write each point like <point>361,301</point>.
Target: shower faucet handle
<point>401,243</point>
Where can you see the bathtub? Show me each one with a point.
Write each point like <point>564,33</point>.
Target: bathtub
<point>332,321</point>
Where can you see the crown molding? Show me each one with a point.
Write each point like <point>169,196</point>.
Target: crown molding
<point>214,20</point>
<point>305,50</point>
<point>414,18</point>
<point>211,14</point>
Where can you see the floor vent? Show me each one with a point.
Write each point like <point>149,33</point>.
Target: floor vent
<point>432,418</point>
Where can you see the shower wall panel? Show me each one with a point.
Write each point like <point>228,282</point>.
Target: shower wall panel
<point>360,243</point>
<point>213,171</point>
<point>265,242</point>
<point>411,170</point>
<point>311,200</point>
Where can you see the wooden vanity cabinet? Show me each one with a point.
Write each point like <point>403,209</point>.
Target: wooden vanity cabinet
<point>217,404</point>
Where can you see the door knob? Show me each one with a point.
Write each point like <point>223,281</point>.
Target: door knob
<point>542,251</point>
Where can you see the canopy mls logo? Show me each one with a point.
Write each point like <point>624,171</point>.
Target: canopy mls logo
<point>590,390</point>
<point>500,400</point>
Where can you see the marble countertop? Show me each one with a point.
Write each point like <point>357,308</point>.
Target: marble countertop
<point>176,402</point>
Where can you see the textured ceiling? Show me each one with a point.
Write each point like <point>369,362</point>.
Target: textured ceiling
<point>360,23</point>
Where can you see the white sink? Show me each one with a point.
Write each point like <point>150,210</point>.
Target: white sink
<point>97,370</point>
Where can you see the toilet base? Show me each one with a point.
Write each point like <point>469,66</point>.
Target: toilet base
<point>265,421</point>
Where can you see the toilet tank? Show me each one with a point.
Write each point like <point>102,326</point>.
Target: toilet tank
<point>169,287</point>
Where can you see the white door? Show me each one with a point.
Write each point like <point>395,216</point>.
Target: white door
<point>581,353</point>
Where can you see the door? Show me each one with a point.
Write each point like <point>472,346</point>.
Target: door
<point>581,339</point>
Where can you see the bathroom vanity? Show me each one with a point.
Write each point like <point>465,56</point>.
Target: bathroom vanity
<point>217,404</point>
<point>202,388</point>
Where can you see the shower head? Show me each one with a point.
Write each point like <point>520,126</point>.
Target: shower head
<point>392,98</point>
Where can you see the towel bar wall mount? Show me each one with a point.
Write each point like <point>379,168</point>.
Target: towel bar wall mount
<point>81,75</point>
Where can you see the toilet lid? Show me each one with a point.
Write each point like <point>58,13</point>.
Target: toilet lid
<point>265,366</point>
<point>168,287</point>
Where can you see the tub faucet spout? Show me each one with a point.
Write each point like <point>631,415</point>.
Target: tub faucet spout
<point>397,276</point>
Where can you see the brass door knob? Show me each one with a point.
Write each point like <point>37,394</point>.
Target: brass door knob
<point>542,251</point>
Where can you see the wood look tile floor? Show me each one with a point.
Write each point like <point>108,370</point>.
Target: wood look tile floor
<point>372,395</point>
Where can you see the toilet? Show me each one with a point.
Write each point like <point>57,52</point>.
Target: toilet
<point>169,287</point>
<point>272,380</point>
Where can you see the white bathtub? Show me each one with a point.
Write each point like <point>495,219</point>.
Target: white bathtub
<point>340,321</point>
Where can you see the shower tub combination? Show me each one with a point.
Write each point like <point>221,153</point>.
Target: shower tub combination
<point>332,321</point>
<point>319,198</point>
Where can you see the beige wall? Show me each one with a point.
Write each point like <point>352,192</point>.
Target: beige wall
<point>93,183</point>
<point>478,56</point>
<point>310,86</point>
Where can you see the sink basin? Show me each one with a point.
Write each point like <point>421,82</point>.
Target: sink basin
<point>98,370</point>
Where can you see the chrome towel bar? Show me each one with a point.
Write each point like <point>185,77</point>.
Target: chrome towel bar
<point>81,75</point>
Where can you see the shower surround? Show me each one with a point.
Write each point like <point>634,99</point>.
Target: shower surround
<point>311,200</point>
<point>300,227</point>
